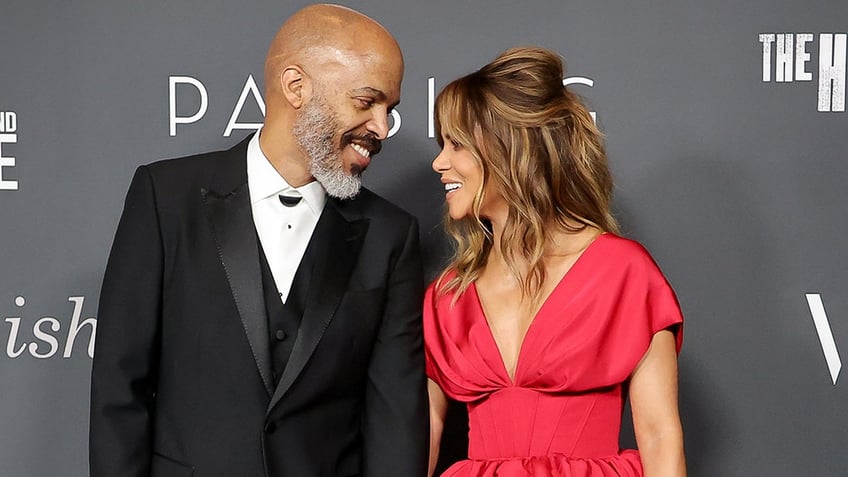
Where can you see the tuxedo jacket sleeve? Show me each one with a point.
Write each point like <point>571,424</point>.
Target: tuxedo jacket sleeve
<point>123,376</point>
<point>395,422</point>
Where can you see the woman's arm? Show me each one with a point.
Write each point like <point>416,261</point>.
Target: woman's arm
<point>653,400</point>
<point>438,408</point>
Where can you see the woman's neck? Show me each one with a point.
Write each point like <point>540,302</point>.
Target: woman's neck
<point>560,243</point>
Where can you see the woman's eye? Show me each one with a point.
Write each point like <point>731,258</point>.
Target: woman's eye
<point>455,144</point>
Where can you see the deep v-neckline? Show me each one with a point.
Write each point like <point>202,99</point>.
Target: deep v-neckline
<point>545,303</point>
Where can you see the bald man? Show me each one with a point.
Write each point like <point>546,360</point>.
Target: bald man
<point>260,311</point>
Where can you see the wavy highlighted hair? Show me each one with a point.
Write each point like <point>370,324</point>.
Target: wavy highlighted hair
<point>538,144</point>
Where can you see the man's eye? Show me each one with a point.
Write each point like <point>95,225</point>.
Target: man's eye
<point>366,103</point>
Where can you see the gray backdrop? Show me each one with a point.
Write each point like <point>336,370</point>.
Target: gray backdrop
<point>728,148</point>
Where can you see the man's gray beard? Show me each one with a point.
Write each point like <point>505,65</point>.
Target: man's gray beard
<point>315,130</point>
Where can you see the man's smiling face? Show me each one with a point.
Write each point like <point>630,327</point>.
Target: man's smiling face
<point>342,125</point>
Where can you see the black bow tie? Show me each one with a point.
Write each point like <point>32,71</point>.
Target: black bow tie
<point>290,200</point>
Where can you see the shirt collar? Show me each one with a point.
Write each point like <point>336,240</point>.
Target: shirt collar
<point>263,181</point>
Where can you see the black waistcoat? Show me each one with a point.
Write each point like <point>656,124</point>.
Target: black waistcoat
<point>284,318</point>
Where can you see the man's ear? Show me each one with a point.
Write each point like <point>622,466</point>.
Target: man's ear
<point>296,86</point>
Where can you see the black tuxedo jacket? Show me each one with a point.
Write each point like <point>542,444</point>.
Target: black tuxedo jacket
<point>182,382</point>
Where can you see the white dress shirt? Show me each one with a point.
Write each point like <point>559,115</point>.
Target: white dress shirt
<point>283,231</point>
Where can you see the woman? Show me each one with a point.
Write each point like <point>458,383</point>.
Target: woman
<point>545,320</point>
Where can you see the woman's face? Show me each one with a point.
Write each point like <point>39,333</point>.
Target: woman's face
<point>462,177</point>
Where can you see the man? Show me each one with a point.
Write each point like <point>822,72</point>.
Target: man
<point>260,315</point>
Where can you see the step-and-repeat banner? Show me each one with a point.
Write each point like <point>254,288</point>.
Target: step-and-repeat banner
<point>726,131</point>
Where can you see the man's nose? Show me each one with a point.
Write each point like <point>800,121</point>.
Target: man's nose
<point>379,124</point>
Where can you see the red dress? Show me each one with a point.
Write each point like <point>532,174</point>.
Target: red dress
<point>562,414</point>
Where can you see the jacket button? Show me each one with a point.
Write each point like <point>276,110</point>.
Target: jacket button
<point>270,427</point>
<point>280,335</point>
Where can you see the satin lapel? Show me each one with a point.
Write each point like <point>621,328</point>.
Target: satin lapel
<point>339,240</point>
<point>227,206</point>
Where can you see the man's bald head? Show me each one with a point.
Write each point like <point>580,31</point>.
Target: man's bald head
<point>323,36</point>
<point>332,78</point>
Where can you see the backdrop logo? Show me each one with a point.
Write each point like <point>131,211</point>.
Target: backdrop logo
<point>250,91</point>
<point>252,97</point>
<point>789,57</point>
<point>47,336</point>
<point>8,135</point>
<point>828,344</point>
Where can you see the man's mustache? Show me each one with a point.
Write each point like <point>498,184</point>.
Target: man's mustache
<point>368,141</point>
